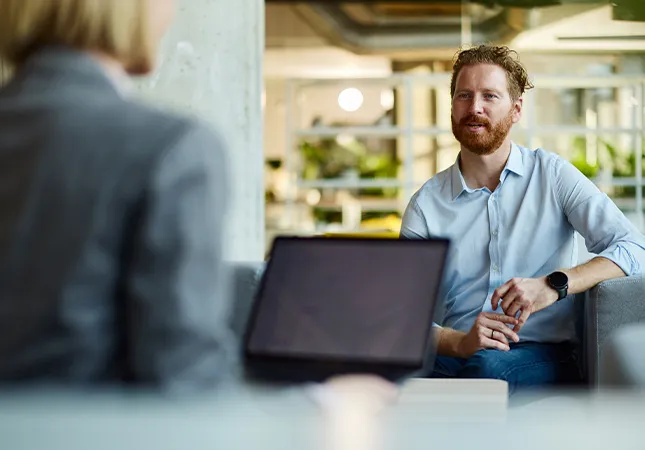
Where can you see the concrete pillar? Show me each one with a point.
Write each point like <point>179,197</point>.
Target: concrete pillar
<point>211,67</point>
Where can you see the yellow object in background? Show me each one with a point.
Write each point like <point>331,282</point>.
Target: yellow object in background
<point>365,234</point>
<point>385,228</point>
<point>390,223</point>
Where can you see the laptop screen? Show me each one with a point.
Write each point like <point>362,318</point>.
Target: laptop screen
<point>348,299</point>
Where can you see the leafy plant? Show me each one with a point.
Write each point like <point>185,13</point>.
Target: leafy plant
<point>328,159</point>
<point>579,158</point>
<point>623,163</point>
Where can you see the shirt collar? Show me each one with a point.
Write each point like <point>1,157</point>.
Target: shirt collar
<point>514,164</point>
<point>458,182</point>
<point>76,67</point>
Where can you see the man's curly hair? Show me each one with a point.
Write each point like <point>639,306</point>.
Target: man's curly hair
<point>507,59</point>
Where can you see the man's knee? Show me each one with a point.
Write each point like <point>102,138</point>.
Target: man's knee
<point>490,364</point>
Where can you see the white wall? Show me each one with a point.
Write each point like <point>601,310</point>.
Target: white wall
<point>322,62</point>
<point>582,32</point>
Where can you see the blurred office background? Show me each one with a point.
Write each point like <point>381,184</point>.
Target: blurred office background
<point>335,112</point>
<point>356,100</point>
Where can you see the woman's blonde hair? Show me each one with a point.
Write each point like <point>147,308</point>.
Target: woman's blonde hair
<point>119,28</point>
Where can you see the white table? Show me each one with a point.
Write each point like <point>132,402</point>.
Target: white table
<point>429,414</point>
<point>446,400</point>
<point>423,404</point>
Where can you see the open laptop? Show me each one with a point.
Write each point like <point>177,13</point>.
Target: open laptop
<point>330,306</point>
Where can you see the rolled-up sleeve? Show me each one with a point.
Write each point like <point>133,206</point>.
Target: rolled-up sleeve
<point>606,230</point>
<point>414,225</point>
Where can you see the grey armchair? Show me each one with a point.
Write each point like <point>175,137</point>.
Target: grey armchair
<point>602,311</point>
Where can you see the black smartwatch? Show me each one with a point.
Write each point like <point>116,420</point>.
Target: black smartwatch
<point>559,281</point>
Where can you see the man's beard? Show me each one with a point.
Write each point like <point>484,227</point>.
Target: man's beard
<point>482,143</point>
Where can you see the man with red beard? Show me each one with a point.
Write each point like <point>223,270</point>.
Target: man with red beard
<point>512,214</point>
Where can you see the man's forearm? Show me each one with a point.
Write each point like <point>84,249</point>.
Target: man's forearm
<point>589,274</point>
<point>448,341</point>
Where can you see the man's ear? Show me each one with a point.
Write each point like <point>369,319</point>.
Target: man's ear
<point>516,112</point>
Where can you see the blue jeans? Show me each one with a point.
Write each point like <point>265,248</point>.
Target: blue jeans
<point>526,365</point>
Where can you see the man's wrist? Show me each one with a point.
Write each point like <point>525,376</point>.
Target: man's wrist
<point>458,342</point>
<point>450,342</point>
<point>558,281</point>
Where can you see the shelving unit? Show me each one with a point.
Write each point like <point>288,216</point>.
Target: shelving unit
<point>404,85</point>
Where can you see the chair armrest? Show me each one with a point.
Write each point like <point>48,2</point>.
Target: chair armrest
<point>609,306</point>
<point>622,364</point>
<point>246,276</point>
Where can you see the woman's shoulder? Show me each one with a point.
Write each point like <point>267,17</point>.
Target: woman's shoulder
<point>140,130</point>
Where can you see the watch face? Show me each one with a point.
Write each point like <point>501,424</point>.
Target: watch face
<point>558,279</point>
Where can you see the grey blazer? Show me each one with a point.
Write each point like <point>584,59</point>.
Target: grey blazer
<point>110,235</point>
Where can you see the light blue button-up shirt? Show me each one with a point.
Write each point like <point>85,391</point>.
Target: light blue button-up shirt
<point>525,228</point>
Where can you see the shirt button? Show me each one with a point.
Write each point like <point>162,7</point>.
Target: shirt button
<point>494,233</point>
<point>495,267</point>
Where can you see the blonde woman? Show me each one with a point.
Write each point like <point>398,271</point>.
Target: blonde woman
<point>110,211</point>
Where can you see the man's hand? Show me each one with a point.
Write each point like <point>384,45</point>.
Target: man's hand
<point>489,331</point>
<point>523,295</point>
